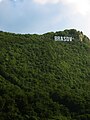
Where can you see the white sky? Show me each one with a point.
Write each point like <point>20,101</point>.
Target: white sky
<point>38,16</point>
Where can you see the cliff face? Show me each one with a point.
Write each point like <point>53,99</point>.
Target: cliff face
<point>41,79</point>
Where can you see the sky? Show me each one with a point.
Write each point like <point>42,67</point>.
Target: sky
<point>41,16</point>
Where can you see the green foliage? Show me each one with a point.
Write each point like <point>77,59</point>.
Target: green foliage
<point>43,79</point>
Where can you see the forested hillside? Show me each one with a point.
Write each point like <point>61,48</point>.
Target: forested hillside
<point>44,79</point>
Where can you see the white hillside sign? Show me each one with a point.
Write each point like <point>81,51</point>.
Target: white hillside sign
<point>61,38</point>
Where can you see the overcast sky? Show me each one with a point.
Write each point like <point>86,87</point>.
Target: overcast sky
<point>40,16</point>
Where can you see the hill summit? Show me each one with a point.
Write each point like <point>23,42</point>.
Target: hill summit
<point>45,79</point>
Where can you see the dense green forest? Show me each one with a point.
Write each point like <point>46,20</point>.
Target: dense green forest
<point>44,79</point>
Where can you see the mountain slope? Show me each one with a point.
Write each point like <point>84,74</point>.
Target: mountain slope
<point>44,79</point>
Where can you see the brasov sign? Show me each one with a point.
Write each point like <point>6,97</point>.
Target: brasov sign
<point>61,38</point>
